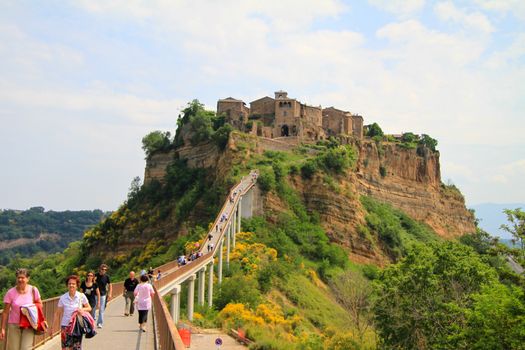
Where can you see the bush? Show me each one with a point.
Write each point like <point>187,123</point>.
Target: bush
<point>382,171</point>
<point>221,136</point>
<point>266,179</point>
<point>374,130</point>
<point>156,141</point>
<point>309,168</point>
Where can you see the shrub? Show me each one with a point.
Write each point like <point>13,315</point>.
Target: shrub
<point>266,179</point>
<point>374,130</point>
<point>382,171</point>
<point>309,168</point>
<point>156,141</point>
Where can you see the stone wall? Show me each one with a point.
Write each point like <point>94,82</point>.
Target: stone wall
<point>336,122</point>
<point>357,126</point>
<point>263,106</point>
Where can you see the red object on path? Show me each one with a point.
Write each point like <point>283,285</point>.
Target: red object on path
<point>241,333</point>
<point>185,335</point>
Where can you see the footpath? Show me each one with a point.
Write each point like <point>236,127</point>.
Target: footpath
<point>118,333</point>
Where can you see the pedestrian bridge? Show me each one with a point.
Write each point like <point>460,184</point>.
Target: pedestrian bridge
<point>121,332</point>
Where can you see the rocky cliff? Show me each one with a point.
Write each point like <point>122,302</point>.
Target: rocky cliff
<point>408,179</point>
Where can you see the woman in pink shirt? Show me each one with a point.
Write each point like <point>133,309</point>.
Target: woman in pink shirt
<point>22,294</point>
<point>143,294</point>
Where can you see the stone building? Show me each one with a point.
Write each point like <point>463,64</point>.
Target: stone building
<point>336,122</point>
<point>235,110</point>
<point>283,116</point>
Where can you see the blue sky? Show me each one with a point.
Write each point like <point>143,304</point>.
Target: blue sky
<point>81,82</point>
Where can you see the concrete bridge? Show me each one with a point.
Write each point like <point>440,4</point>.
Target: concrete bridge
<point>120,332</point>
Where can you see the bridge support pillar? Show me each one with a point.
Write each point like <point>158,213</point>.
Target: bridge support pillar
<point>219,268</point>
<point>210,285</point>
<point>191,296</point>
<point>239,214</point>
<point>228,242</point>
<point>200,295</point>
<point>234,227</point>
<point>175,304</point>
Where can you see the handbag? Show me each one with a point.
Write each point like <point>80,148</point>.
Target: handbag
<point>32,316</point>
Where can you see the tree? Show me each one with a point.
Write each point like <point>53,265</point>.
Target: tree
<point>374,130</point>
<point>409,137</point>
<point>516,218</point>
<point>156,141</point>
<point>421,302</point>
<point>428,142</point>
<point>353,291</point>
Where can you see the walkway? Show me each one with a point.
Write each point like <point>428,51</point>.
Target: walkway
<point>119,332</point>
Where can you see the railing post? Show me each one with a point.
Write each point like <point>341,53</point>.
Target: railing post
<point>202,276</point>
<point>191,296</point>
<point>210,285</point>
<point>219,269</point>
<point>175,304</point>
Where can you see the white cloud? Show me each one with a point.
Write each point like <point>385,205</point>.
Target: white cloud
<point>402,8</point>
<point>447,11</point>
<point>514,7</point>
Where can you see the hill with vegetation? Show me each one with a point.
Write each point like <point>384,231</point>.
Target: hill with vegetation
<point>26,232</point>
<point>333,258</point>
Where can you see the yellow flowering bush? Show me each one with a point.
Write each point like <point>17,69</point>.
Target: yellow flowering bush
<point>238,314</point>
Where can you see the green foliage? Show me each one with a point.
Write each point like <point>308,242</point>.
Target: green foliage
<point>382,170</point>
<point>428,142</point>
<point>221,135</point>
<point>496,319</point>
<point>156,141</point>
<point>50,231</point>
<point>202,125</point>
<point>374,130</point>
<point>516,227</point>
<point>238,289</point>
<point>338,159</point>
<point>266,179</point>
<point>421,301</point>
<point>309,168</point>
<point>395,229</point>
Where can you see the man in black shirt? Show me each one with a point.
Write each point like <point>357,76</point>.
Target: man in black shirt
<point>104,285</point>
<point>129,287</point>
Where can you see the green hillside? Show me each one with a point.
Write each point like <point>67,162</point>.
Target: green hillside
<point>27,232</point>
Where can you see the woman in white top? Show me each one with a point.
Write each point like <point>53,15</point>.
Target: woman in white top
<point>143,294</point>
<point>67,305</point>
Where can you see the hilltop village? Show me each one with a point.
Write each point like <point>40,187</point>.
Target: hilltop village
<point>283,116</point>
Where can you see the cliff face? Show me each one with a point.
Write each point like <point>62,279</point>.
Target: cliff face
<point>408,179</point>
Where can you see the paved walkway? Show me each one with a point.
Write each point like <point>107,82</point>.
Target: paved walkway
<point>119,332</point>
<point>206,341</point>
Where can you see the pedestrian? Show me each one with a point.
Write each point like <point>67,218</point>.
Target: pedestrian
<point>90,288</point>
<point>150,274</point>
<point>129,287</point>
<point>159,275</point>
<point>143,293</point>
<point>68,303</point>
<point>23,293</point>
<point>210,237</point>
<point>106,290</point>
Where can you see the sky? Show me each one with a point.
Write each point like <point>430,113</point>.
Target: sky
<point>81,82</point>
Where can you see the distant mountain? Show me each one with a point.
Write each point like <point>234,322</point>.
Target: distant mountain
<point>491,216</point>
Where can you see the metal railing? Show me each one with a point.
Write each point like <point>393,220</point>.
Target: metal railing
<point>167,336</point>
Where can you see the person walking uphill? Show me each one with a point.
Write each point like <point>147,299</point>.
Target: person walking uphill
<point>68,303</point>
<point>143,293</point>
<point>104,285</point>
<point>129,287</point>
<point>22,294</point>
